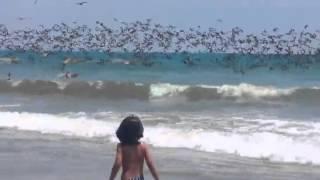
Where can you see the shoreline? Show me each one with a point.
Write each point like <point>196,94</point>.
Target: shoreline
<point>30,156</point>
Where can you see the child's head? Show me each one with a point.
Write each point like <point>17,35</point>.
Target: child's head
<point>130,130</point>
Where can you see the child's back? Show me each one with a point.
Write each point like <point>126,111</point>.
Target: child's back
<point>131,153</point>
<point>132,161</point>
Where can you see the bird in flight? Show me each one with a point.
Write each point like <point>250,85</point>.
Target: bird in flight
<point>81,3</point>
<point>22,18</point>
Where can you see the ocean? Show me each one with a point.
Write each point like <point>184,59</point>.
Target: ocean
<point>214,116</point>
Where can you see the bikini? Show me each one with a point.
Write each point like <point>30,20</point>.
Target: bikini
<point>137,178</point>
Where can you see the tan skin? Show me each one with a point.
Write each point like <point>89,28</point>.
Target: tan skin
<point>131,159</point>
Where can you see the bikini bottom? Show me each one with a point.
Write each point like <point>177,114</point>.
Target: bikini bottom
<point>137,178</point>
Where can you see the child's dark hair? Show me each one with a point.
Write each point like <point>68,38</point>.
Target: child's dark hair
<point>130,130</point>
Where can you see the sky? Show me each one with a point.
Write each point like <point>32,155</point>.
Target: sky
<point>251,15</point>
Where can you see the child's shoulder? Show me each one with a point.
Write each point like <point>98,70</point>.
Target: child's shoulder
<point>144,146</point>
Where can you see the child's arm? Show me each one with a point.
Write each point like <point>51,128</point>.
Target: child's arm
<point>150,163</point>
<point>117,163</point>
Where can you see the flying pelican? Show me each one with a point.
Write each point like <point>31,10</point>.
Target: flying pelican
<point>81,3</point>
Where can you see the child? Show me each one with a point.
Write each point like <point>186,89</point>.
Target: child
<point>130,152</point>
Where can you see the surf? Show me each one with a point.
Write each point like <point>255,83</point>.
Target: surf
<point>148,92</point>
<point>280,141</point>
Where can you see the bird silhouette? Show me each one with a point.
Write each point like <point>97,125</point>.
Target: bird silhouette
<point>81,3</point>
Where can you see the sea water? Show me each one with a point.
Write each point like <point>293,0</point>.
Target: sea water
<point>224,117</point>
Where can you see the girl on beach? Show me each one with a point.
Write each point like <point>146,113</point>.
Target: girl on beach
<point>131,153</point>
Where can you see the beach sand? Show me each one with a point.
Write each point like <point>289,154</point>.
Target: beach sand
<point>32,156</point>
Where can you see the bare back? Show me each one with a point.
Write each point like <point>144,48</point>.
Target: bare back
<point>132,160</point>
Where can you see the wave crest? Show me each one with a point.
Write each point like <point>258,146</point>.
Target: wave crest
<point>128,90</point>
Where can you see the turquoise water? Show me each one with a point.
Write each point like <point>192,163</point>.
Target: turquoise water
<point>195,68</point>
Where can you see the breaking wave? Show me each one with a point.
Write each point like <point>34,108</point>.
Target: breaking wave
<point>282,141</point>
<point>129,90</point>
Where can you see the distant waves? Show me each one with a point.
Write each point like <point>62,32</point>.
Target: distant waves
<point>147,92</point>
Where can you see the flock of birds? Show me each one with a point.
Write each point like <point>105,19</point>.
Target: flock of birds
<point>78,3</point>
<point>143,38</point>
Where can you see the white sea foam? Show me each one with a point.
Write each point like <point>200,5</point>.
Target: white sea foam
<point>99,84</point>
<point>16,83</point>
<point>274,144</point>
<point>258,145</point>
<point>9,105</point>
<point>244,89</point>
<point>241,90</point>
<point>9,60</point>
<point>166,90</point>
<point>46,123</point>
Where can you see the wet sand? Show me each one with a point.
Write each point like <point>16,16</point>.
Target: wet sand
<point>25,156</point>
